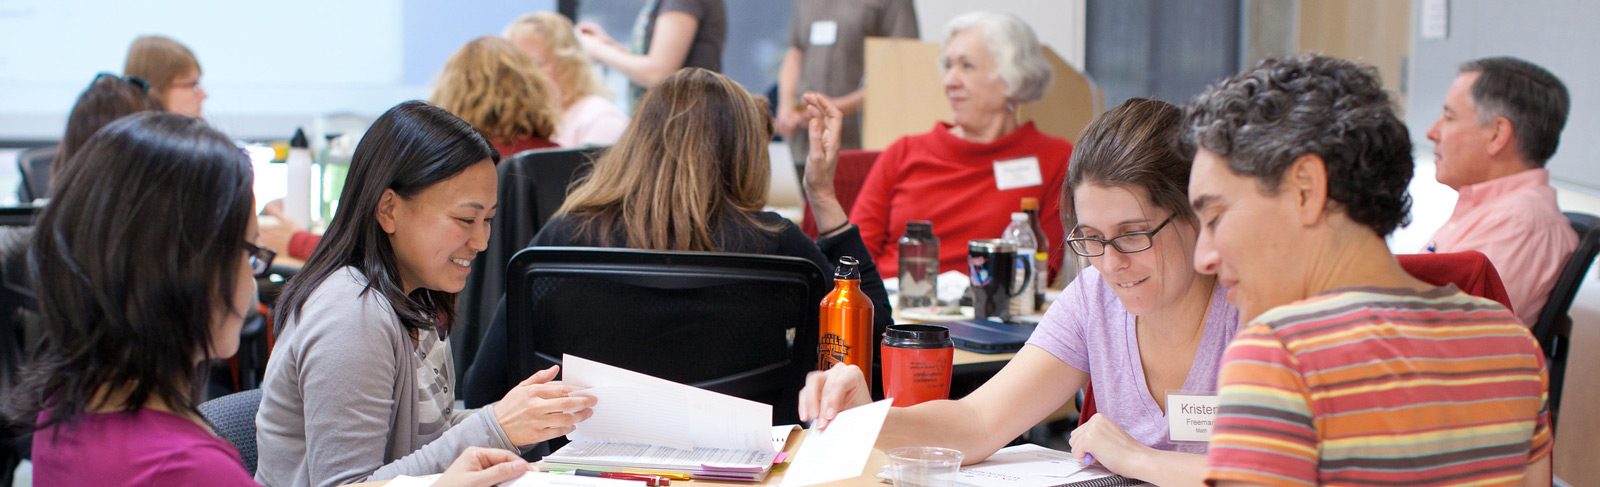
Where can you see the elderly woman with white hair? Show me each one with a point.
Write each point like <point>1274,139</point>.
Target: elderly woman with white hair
<point>968,175</point>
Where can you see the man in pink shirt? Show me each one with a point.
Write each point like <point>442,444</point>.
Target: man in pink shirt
<point>1502,120</point>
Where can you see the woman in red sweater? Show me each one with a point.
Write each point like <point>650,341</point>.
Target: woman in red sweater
<point>967,176</point>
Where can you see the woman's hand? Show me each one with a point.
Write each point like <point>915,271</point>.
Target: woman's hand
<point>277,229</point>
<point>591,36</point>
<point>826,393</point>
<point>537,409</point>
<point>822,160</point>
<point>483,467</point>
<point>788,121</point>
<point>1110,445</point>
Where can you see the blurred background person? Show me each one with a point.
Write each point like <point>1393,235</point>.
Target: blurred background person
<point>588,116</point>
<point>667,36</point>
<point>172,71</point>
<point>499,90</point>
<point>827,55</point>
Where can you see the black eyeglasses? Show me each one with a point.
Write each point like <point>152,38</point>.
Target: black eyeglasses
<point>260,259</point>
<point>144,86</point>
<point>1126,243</point>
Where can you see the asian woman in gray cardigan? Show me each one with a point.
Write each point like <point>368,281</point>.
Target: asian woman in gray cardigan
<point>358,387</point>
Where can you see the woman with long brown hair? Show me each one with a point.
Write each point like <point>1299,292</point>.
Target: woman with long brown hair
<point>691,173</point>
<point>498,89</point>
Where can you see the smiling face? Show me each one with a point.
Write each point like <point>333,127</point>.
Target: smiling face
<point>971,81</point>
<point>437,232</point>
<point>1144,281</point>
<point>1246,237</point>
<point>1460,144</point>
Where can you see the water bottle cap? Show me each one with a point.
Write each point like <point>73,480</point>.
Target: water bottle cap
<point>847,268</point>
<point>919,228</point>
<point>1019,217</point>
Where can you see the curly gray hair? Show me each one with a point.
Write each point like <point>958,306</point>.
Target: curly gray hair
<point>1261,120</point>
<point>1018,57</point>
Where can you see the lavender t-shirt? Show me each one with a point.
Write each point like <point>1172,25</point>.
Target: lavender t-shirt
<point>142,448</point>
<point>1088,328</point>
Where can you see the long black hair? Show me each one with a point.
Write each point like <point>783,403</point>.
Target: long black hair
<point>410,148</point>
<point>142,237</point>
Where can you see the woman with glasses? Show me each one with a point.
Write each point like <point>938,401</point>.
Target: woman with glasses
<point>361,385</point>
<point>173,73</point>
<point>1142,322</point>
<point>145,273</point>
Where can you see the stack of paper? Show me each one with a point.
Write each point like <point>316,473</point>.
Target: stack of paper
<point>647,424</point>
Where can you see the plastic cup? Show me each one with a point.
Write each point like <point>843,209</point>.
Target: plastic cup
<point>924,466</point>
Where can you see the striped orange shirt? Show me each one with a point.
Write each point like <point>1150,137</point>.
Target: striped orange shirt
<point>1381,387</point>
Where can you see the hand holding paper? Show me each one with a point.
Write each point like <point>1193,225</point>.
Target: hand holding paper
<point>842,450</point>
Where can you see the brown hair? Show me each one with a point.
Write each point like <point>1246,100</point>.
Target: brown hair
<point>1132,146</point>
<point>575,73</point>
<point>496,88</point>
<point>108,98</point>
<point>159,60</point>
<point>694,157</point>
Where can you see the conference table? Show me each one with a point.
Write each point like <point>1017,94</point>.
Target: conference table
<point>868,477</point>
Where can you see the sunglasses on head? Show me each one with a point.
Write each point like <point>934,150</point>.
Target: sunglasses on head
<point>144,86</point>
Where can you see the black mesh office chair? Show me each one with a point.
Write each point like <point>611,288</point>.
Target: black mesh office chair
<point>1554,328</point>
<point>235,418</point>
<point>34,164</point>
<point>533,184</point>
<point>740,324</point>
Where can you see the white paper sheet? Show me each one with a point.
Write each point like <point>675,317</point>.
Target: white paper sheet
<point>541,479</point>
<point>636,408</point>
<point>780,436</point>
<point>841,451</point>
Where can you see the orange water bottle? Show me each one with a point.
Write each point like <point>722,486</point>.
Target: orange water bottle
<point>846,322</point>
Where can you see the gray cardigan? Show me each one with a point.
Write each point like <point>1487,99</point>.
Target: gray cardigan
<point>339,404</point>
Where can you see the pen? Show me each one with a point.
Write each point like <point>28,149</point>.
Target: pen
<point>1088,458</point>
<point>649,480</point>
<point>672,476</point>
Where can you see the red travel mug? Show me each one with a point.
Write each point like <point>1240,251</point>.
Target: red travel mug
<point>916,363</point>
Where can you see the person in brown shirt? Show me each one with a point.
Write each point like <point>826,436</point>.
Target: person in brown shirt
<point>827,53</point>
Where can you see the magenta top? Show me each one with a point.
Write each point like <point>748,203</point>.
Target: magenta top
<point>143,448</point>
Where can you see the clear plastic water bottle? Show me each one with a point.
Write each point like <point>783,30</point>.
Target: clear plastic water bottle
<point>919,266</point>
<point>1020,233</point>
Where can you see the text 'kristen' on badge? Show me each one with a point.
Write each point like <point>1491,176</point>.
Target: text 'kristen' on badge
<point>1190,416</point>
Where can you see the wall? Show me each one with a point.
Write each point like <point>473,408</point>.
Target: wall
<point>268,66</point>
<point>1557,34</point>
<point>1058,23</point>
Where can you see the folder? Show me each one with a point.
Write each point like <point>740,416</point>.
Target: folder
<point>648,424</point>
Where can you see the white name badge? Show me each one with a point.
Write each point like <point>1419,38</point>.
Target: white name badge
<point>824,33</point>
<point>1190,417</point>
<point>1017,173</point>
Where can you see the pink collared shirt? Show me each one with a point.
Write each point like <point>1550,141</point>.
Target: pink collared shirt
<point>1515,221</point>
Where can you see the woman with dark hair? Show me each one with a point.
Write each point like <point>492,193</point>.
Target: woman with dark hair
<point>1141,321</point>
<point>148,270</point>
<point>109,97</point>
<point>360,384</point>
<point>690,173</point>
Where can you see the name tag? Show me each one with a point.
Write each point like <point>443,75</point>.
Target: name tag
<point>824,33</point>
<point>1017,173</point>
<point>1190,417</point>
